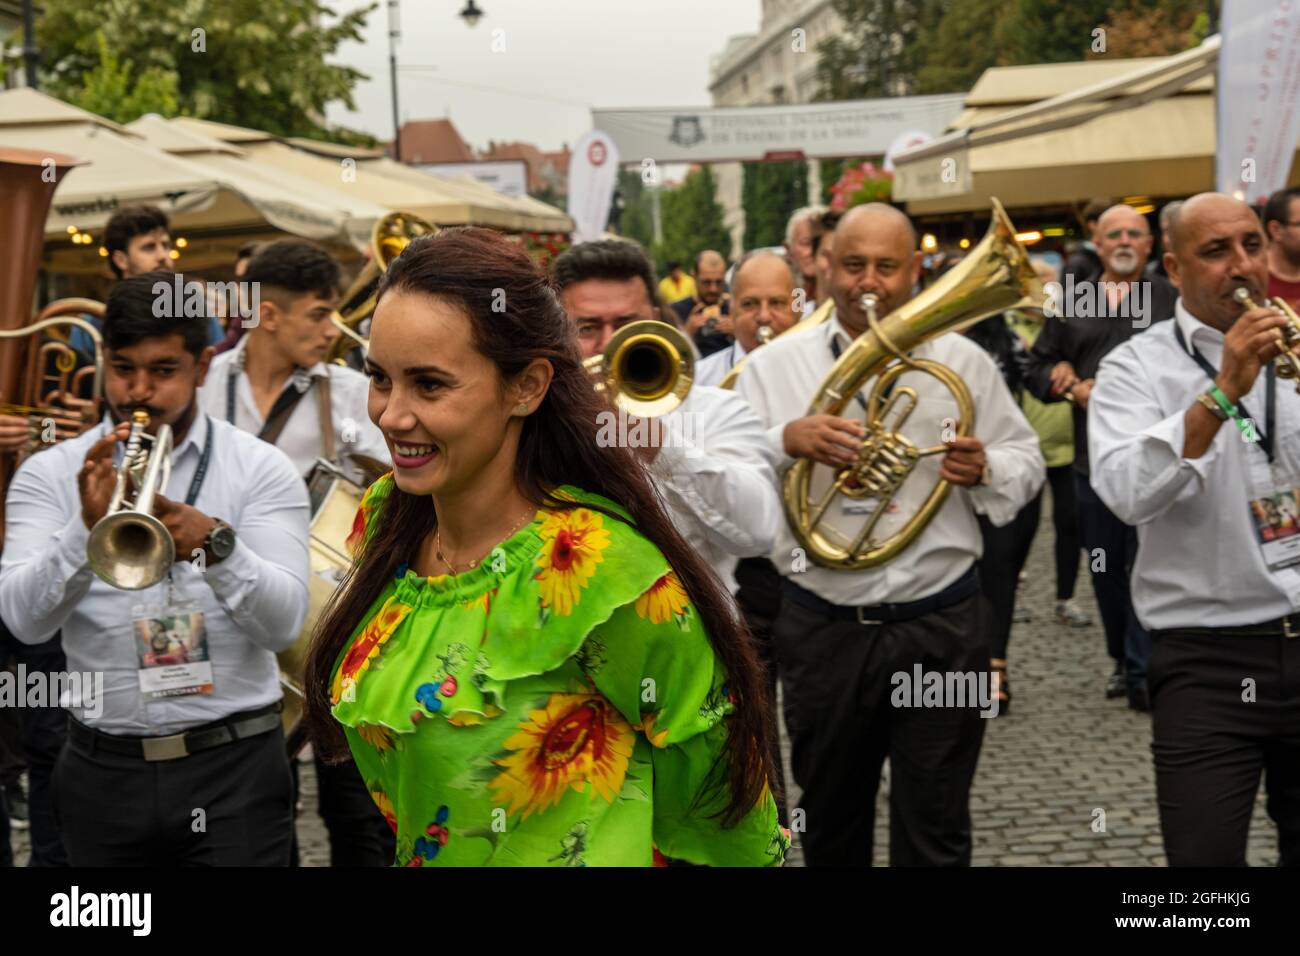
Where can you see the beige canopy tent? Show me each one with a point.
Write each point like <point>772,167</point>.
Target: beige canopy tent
<point>199,193</point>
<point>1059,134</point>
<point>388,183</point>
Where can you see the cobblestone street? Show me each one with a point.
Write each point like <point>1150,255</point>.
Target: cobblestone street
<point>1062,752</point>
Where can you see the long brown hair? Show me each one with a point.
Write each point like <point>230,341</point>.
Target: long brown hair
<point>480,270</point>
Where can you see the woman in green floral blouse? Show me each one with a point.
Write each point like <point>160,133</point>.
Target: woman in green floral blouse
<point>528,663</point>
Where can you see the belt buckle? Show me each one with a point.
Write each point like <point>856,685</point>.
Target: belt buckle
<point>165,748</point>
<point>1287,629</point>
<point>865,621</point>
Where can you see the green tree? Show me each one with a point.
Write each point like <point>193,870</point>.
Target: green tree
<point>636,220</point>
<point>1048,31</point>
<point>963,45</point>
<point>258,63</point>
<point>878,49</point>
<point>110,90</point>
<point>770,192</point>
<point>692,219</point>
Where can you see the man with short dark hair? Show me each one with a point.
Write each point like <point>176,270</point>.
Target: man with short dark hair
<point>706,315</point>
<point>274,384</point>
<point>138,240</point>
<point>1282,223</point>
<point>179,764</point>
<point>263,383</point>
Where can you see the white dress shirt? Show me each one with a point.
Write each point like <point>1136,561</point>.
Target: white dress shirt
<point>780,381</point>
<point>354,433</point>
<point>253,602</point>
<point>1199,562</point>
<point>712,369</point>
<point>721,492</point>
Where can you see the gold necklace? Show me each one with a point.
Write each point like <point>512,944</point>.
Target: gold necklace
<point>437,544</point>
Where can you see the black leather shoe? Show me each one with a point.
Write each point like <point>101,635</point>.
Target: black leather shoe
<point>1116,686</point>
<point>1138,699</point>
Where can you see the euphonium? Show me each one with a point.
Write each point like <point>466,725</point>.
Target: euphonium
<point>1287,364</point>
<point>129,548</point>
<point>994,277</point>
<point>392,234</point>
<point>647,368</point>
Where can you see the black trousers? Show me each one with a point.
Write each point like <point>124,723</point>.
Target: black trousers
<point>837,681</point>
<point>1212,743</point>
<point>1065,522</point>
<point>1005,551</point>
<point>1127,641</point>
<point>359,835</point>
<point>124,811</point>
<point>759,596</point>
<point>42,733</point>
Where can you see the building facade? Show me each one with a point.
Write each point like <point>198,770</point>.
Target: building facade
<point>776,65</point>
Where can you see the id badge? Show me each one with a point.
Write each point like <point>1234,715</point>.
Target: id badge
<point>1276,517</point>
<point>171,646</point>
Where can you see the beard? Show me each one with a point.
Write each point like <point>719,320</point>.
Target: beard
<point>1124,262</point>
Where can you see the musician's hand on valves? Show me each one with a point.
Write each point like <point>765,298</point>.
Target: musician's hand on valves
<point>1250,344</point>
<point>964,465</point>
<point>188,526</point>
<point>98,477</point>
<point>825,439</point>
<point>14,432</point>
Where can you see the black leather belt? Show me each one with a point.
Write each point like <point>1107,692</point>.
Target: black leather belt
<point>965,586</point>
<point>250,723</point>
<point>1288,626</point>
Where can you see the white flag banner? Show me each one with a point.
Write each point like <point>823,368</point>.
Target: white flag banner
<point>1259,96</point>
<point>593,170</point>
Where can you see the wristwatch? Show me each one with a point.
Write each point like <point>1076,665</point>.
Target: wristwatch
<point>220,542</point>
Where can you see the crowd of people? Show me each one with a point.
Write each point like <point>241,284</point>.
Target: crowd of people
<point>551,649</point>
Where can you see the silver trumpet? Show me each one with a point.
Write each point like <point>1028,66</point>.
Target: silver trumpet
<point>129,548</point>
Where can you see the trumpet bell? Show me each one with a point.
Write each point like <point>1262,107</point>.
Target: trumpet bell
<point>130,550</point>
<point>648,367</point>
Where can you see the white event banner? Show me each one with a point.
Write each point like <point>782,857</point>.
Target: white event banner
<point>751,133</point>
<point>593,172</point>
<point>1259,96</point>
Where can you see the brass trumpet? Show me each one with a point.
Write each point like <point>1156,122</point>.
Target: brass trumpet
<point>129,548</point>
<point>647,367</point>
<point>1288,336</point>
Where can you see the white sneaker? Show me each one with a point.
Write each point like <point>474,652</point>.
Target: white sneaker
<point>1071,615</point>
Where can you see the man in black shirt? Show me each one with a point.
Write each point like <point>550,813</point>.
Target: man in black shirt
<point>1086,320</point>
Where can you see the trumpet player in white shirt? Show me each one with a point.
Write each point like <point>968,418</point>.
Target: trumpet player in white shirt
<point>1195,442</point>
<point>843,636</point>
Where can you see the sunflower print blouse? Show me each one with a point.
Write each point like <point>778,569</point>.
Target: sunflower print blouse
<point>558,705</point>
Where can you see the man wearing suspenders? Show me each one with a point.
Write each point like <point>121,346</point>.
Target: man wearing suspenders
<point>275,384</point>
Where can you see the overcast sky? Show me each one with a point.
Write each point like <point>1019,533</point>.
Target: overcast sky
<point>561,58</point>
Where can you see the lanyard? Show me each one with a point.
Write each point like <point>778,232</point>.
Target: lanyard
<point>201,471</point>
<point>1270,401</point>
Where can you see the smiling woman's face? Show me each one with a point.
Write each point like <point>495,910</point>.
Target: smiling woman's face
<point>440,403</point>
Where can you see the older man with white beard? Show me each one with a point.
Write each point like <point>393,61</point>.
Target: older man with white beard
<point>1091,319</point>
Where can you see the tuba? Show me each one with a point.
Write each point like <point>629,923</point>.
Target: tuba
<point>129,548</point>
<point>392,234</point>
<point>647,368</point>
<point>994,277</point>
